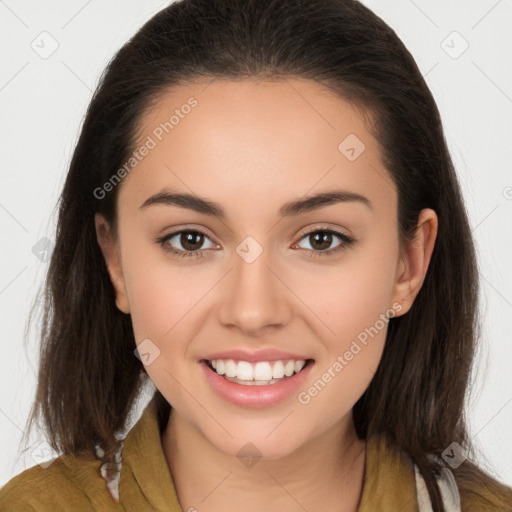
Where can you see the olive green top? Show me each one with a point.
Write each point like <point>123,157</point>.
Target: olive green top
<point>145,484</point>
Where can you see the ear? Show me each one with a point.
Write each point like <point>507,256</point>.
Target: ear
<point>111,253</point>
<point>414,261</point>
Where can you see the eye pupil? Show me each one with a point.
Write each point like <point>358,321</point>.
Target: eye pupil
<point>323,238</point>
<point>187,240</point>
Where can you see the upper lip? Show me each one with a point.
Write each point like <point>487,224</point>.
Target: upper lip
<point>254,356</point>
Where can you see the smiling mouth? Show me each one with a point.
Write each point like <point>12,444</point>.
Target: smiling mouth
<point>261,373</point>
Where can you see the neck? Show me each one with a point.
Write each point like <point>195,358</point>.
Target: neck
<point>325,474</point>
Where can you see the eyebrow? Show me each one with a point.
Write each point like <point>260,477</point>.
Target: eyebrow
<point>208,207</point>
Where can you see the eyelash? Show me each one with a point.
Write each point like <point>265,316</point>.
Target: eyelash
<point>346,242</point>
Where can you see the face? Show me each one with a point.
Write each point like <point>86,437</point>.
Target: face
<point>244,271</point>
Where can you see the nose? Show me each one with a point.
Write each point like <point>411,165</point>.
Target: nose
<point>254,298</point>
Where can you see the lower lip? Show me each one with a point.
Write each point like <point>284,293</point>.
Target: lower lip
<point>255,396</point>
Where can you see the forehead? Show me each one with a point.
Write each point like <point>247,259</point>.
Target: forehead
<point>254,141</point>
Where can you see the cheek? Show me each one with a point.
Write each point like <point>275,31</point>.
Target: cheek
<point>151,289</point>
<point>352,301</point>
<point>356,298</point>
<point>163,306</point>
<point>164,295</point>
<point>355,305</point>
<point>349,294</point>
<point>158,301</point>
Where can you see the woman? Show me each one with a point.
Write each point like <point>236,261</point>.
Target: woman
<point>262,219</point>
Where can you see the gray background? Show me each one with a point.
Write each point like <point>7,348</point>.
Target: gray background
<point>43,99</point>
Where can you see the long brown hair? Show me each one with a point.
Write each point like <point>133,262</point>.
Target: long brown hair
<point>89,378</point>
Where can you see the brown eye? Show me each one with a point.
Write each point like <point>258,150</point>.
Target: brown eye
<point>191,240</point>
<point>320,242</point>
<point>186,243</point>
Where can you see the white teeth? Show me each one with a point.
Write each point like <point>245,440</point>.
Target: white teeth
<point>289,368</point>
<point>220,367</point>
<point>244,370</point>
<point>258,373</point>
<point>231,368</point>
<point>262,371</point>
<point>278,370</point>
<point>252,382</point>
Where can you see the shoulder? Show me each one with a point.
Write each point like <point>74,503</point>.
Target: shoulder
<point>66,483</point>
<point>486,499</point>
<point>481,492</point>
<point>467,488</point>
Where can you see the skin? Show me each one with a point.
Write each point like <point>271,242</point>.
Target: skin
<point>252,147</point>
